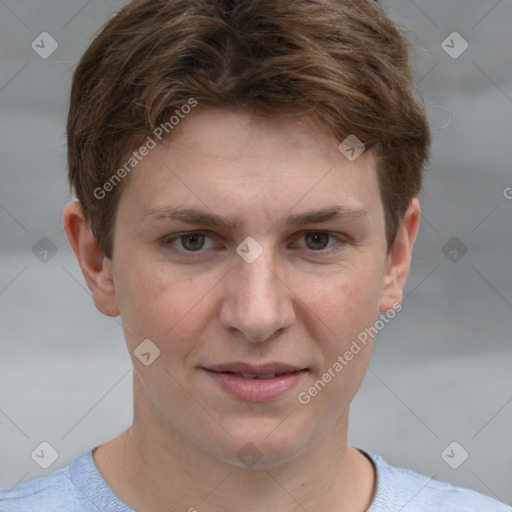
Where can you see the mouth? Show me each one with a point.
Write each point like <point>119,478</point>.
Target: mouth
<point>263,376</point>
<point>275,368</point>
<point>255,383</point>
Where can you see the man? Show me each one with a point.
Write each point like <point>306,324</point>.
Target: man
<point>247,176</point>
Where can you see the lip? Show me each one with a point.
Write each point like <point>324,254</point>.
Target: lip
<point>255,389</point>
<point>262,369</point>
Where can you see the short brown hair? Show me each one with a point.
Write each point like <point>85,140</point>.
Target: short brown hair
<point>344,62</point>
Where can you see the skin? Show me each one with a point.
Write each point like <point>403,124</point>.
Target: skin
<point>296,303</point>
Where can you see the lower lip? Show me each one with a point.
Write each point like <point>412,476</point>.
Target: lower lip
<point>256,390</point>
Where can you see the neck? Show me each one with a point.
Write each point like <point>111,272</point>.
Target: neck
<point>152,466</point>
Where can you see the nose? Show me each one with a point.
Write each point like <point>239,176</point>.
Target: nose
<point>258,301</point>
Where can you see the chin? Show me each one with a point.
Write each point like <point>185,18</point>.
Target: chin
<point>264,449</point>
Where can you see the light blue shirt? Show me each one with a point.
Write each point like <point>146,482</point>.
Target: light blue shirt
<point>80,487</point>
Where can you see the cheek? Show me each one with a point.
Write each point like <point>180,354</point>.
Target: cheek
<point>162,304</point>
<point>345,302</point>
<point>345,306</point>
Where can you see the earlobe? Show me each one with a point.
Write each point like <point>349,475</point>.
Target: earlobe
<point>96,268</point>
<point>399,259</point>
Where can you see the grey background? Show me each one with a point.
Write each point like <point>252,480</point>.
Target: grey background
<point>441,368</point>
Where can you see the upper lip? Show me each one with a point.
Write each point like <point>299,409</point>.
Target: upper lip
<point>264,369</point>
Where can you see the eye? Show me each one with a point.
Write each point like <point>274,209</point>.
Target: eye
<point>190,242</point>
<point>194,242</point>
<point>317,241</point>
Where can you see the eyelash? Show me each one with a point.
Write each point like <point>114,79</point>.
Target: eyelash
<point>167,242</point>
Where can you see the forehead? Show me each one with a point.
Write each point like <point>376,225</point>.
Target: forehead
<point>233,162</point>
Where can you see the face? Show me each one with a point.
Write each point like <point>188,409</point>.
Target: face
<point>282,285</point>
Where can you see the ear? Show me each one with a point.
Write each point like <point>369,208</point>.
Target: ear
<point>399,258</point>
<point>95,267</point>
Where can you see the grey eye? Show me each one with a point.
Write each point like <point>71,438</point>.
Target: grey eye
<point>192,241</point>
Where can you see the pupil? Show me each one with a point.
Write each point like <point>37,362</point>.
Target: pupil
<point>193,238</point>
<point>316,236</point>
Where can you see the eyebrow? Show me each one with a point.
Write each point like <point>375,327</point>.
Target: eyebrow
<point>194,216</point>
